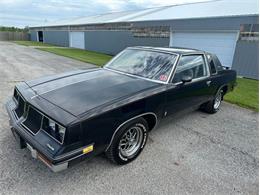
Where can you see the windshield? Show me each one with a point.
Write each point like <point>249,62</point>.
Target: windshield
<point>149,64</point>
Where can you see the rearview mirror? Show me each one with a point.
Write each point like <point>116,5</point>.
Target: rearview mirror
<point>186,78</point>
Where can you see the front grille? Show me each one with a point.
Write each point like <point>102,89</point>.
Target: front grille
<point>20,109</point>
<point>33,120</point>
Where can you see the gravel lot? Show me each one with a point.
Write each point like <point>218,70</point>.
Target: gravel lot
<point>195,153</point>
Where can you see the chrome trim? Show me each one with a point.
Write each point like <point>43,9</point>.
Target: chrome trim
<point>72,152</point>
<point>25,115</point>
<point>155,49</point>
<point>41,129</point>
<point>51,135</point>
<point>15,115</point>
<point>17,104</point>
<point>25,118</point>
<point>156,121</point>
<point>55,168</point>
<point>206,55</point>
<point>207,64</point>
<point>196,79</point>
<point>50,147</point>
<point>70,159</point>
<point>59,167</point>
<point>173,68</point>
<point>11,114</point>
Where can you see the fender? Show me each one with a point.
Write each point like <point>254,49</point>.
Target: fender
<point>135,117</point>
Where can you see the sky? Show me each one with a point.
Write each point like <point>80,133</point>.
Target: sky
<point>21,13</point>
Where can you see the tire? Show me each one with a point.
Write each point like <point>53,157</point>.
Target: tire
<point>120,151</point>
<point>212,106</point>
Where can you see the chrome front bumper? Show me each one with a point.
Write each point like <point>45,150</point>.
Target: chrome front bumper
<point>37,155</point>
<point>54,168</point>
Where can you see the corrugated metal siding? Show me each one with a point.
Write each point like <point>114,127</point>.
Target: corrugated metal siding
<point>216,24</point>
<point>246,59</point>
<point>33,35</point>
<point>60,38</point>
<point>112,42</point>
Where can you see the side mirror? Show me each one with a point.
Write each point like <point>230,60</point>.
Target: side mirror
<point>186,78</point>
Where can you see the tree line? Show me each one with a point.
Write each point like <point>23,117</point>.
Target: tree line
<point>13,29</point>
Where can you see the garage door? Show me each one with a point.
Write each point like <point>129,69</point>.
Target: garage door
<point>77,40</point>
<point>222,43</point>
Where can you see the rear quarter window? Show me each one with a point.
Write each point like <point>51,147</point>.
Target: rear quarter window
<point>217,63</point>
<point>212,65</point>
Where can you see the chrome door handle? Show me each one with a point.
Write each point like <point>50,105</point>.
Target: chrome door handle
<point>208,83</point>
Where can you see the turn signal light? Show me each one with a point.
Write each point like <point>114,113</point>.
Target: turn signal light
<point>88,149</point>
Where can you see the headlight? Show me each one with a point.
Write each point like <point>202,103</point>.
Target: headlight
<point>53,129</point>
<point>52,125</point>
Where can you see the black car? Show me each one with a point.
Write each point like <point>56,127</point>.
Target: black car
<point>80,114</point>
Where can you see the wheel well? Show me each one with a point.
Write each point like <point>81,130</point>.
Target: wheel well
<point>151,120</point>
<point>225,88</point>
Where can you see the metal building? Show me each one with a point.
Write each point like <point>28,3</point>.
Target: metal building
<point>228,28</point>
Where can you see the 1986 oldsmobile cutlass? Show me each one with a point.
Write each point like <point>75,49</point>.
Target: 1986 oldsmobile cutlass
<point>68,117</point>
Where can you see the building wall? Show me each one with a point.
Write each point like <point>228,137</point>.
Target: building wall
<point>33,35</point>
<point>246,59</point>
<point>60,38</point>
<point>112,42</point>
<point>219,24</point>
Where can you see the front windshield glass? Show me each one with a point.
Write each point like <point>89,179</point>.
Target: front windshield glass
<point>148,64</point>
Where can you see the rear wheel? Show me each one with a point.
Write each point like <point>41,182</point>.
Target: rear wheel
<point>213,105</point>
<point>128,142</point>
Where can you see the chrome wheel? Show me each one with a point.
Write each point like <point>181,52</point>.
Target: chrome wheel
<point>131,142</point>
<point>218,100</point>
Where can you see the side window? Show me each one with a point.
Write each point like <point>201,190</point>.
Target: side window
<point>217,62</point>
<point>211,64</point>
<point>191,65</point>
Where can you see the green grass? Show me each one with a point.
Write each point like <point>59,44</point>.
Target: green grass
<point>245,94</point>
<point>82,55</point>
<point>34,43</point>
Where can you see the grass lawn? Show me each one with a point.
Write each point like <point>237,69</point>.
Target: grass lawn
<point>245,94</point>
<point>34,43</point>
<point>82,55</point>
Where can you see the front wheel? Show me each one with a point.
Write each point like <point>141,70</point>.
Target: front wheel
<point>128,142</point>
<point>213,105</point>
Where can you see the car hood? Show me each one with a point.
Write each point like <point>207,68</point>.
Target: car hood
<point>81,91</point>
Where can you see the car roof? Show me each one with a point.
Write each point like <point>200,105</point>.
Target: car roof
<point>177,50</point>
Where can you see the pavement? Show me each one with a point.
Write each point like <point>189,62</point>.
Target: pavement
<point>192,153</point>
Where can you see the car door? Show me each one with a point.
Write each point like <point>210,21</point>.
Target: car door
<point>184,95</point>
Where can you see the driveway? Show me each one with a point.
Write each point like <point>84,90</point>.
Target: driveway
<point>195,153</point>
